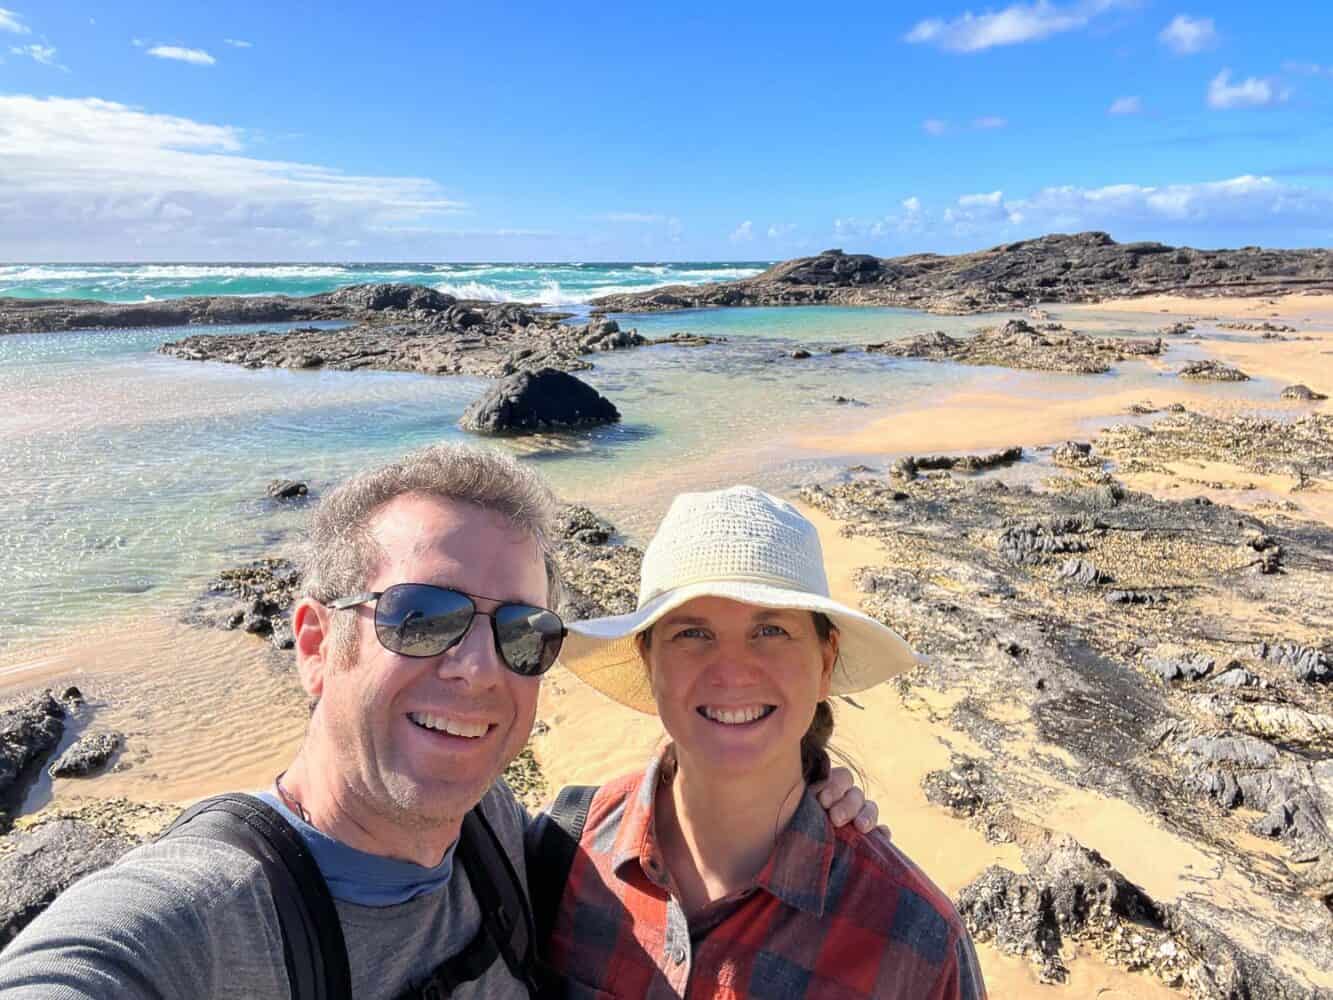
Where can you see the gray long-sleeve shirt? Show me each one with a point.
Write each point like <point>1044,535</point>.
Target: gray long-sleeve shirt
<point>188,917</point>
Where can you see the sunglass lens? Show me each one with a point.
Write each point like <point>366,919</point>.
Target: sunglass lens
<point>419,620</point>
<point>529,637</point>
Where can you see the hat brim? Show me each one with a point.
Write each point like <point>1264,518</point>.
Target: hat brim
<point>602,653</point>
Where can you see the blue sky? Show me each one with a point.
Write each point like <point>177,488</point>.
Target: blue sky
<point>447,131</point>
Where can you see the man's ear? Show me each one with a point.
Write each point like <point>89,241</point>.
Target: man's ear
<point>312,624</point>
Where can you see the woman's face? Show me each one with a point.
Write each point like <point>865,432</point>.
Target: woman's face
<point>736,684</point>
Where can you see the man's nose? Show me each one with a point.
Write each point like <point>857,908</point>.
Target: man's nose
<point>474,659</point>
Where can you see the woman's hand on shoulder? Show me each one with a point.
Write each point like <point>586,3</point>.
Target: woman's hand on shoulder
<point>845,802</point>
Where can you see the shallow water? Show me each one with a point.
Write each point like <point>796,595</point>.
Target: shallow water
<point>128,478</point>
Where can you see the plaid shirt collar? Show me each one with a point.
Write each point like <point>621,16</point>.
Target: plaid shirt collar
<point>789,873</point>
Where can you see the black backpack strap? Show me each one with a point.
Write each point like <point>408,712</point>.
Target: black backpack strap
<point>559,843</point>
<point>506,920</point>
<point>312,938</point>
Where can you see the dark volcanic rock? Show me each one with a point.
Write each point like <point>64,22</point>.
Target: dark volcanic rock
<point>1303,392</point>
<point>1287,447</point>
<point>29,731</point>
<point>909,466</point>
<point>1304,663</point>
<point>90,753</point>
<point>256,597</point>
<point>1069,893</point>
<point>600,577</point>
<point>43,862</point>
<point>377,298</point>
<point>487,339</point>
<point>1018,345</point>
<point>1212,371</point>
<point>1082,267</point>
<point>286,489</point>
<point>537,401</point>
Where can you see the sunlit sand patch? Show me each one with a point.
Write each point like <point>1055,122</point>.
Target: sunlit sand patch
<point>202,711</point>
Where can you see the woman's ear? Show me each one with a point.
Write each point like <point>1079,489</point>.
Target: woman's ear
<point>829,652</point>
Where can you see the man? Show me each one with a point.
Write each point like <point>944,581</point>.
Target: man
<point>422,696</point>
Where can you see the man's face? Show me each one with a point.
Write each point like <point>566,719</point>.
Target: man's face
<point>375,705</point>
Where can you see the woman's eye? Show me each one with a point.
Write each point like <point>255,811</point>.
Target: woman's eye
<point>771,631</point>
<point>691,633</point>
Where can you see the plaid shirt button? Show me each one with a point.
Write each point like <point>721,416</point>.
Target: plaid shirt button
<point>678,955</point>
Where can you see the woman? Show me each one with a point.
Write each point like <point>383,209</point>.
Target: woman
<point>715,872</point>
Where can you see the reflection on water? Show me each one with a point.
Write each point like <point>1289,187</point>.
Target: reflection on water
<point>127,478</point>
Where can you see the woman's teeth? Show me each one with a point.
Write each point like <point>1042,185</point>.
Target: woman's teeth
<point>735,716</point>
<point>454,727</point>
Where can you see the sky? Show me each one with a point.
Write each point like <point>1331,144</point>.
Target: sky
<point>445,131</point>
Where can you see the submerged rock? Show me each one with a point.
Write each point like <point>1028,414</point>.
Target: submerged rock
<point>1018,344</point>
<point>1212,371</point>
<point>1303,392</point>
<point>534,401</point>
<point>286,489</point>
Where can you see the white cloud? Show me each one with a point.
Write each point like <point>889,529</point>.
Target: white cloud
<point>11,21</point>
<point>196,56</point>
<point>237,43</point>
<point>44,54</point>
<point>742,233</point>
<point>138,43</point>
<point>1126,106</point>
<point>781,230</point>
<point>1252,92</point>
<point>1186,35</point>
<point>101,179</point>
<point>1011,26</point>
<point>990,121</point>
<point>935,126</point>
<point>1247,204</point>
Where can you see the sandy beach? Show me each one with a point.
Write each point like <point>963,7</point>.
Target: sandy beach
<point>210,710</point>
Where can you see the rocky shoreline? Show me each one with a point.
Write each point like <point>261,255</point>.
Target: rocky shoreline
<point>1083,267</point>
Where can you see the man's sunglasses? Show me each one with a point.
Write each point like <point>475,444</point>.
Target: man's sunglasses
<point>422,620</point>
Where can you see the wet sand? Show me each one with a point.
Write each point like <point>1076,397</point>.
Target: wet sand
<point>206,711</point>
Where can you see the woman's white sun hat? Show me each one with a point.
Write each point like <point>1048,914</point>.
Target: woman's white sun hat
<point>742,544</point>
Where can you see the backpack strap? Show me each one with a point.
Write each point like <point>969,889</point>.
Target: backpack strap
<point>312,940</point>
<point>506,929</point>
<point>558,844</point>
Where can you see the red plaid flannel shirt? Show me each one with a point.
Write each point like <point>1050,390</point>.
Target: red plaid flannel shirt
<point>834,914</point>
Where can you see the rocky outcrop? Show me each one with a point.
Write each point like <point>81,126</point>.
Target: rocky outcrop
<point>909,466</point>
<point>1212,371</point>
<point>482,338</point>
<point>353,303</point>
<point>43,862</point>
<point>1017,344</point>
<point>286,489</point>
<point>1301,447</point>
<point>89,754</point>
<point>600,575</point>
<point>1302,392</point>
<point>1083,267</point>
<point>29,731</point>
<point>1168,693</point>
<point>256,597</point>
<point>542,400</point>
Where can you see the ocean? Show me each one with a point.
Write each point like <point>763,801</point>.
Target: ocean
<point>560,285</point>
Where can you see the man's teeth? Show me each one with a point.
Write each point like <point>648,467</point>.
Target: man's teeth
<point>736,716</point>
<point>454,727</point>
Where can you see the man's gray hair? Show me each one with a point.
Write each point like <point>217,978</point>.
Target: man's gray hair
<point>341,553</point>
